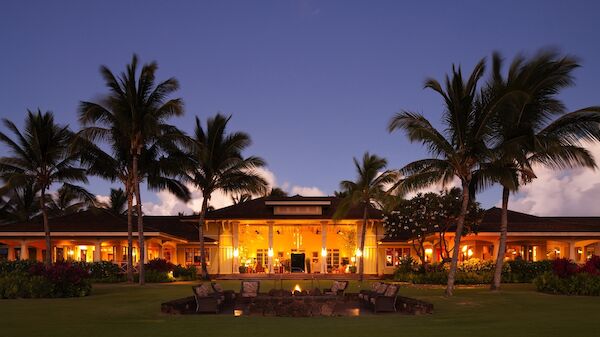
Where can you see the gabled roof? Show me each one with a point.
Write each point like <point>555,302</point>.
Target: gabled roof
<point>259,208</point>
<point>522,222</point>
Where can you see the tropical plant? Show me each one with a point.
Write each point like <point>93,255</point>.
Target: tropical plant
<point>117,201</point>
<point>41,156</point>
<point>458,150</point>
<point>525,136</point>
<point>70,199</point>
<point>19,204</point>
<point>369,186</point>
<point>132,118</point>
<point>241,198</point>
<point>218,165</point>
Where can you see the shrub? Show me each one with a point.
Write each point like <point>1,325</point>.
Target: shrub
<point>576,284</point>
<point>183,273</point>
<point>564,267</point>
<point>103,271</point>
<point>160,265</point>
<point>520,271</point>
<point>40,281</point>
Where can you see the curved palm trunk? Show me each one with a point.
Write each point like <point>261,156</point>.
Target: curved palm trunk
<point>502,244</point>
<point>460,222</point>
<point>140,221</point>
<point>204,270</point>
<point>363,235</point>
<point>129,233</point>
<point>48,259</point>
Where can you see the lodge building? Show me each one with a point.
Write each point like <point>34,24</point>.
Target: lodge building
<point>290,234</point>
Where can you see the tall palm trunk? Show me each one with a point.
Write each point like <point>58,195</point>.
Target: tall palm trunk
<point>204,270</point>
<point>129,231</point>
<point>502,244</point>
<point>363,235</point>
<point>140,220</point>
<point>460,222</point>
<point>48,259</point>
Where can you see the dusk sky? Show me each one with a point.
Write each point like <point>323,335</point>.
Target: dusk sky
<point>314,83</point>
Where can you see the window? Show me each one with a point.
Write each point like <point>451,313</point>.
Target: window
<point>333,258</point>
<point>262,257</point>
<point>393,256</point>
<point>192,256</point>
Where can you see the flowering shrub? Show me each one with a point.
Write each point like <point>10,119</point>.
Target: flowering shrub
<point>564,267</point>
<point>58,280</point>
<point>568,278</point>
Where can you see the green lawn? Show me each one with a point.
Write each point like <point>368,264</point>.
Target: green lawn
<point>127,310</point>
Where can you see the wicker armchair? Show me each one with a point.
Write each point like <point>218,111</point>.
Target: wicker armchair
<point>249,290</point>
<point>379,289</point>
<point>338,288</point>
<point>228,295</point>
<point>387,301</point>
<point>207,301</point>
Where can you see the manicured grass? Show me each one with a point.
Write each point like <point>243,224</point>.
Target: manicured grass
<point>129,310</point>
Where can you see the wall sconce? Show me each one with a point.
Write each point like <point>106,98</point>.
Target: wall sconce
<point>358,252</point>
<point>428,251</point>
<point>270,252</point>
<point>236,252</point>
<point>323,252</point>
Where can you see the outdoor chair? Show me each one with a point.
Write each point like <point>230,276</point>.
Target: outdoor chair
<point>249,290</point>
<point>379,290</point>
<point>387,301</point>
<point>207,301</point>
<point>363,295</point>
<point>228,295</point>
<point>338,288</point>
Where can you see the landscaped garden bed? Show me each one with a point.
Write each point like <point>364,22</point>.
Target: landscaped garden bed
<point>568,278</point>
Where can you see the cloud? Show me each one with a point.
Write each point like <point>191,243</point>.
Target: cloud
<point>168,204</point>
<point>568,192</point>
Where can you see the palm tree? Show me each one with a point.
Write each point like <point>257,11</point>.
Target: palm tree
<point>117,201</point>
<point>133,116</point>
<point>240,199</point>
<point>19,204</point>
<point>70,199</point>
<point>218,165</point>
<point>370,186</point>
<point>41,156</point>
<point>525,137</point>
<point>277,192</point>
<point>458,150</point>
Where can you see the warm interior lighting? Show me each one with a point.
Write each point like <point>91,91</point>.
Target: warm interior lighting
<point>428,251</point>
<point>358,253</point>
<point>236,253</point>
<point>70,252</point>
<point>297,288</point>
<point>469,252</point>
<point>323,252</point>
<point>353,259</point>
<point>464,249</point>
<point>270,252</point>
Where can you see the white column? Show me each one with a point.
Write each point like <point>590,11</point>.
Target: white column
<point>145,253</point>
<point>236,248</point>
<point>98,251</point>
<point>270,252</point>
<point>572,251</point>
<point>323,247</point>
<point>24,250</point>
<point>11,253</point>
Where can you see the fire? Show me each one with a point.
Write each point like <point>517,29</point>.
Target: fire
<point>297,288</point>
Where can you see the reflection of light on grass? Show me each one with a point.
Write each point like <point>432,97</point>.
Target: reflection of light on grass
<point>238,313</point>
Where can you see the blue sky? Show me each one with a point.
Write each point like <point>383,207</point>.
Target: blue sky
<point>314,83</point>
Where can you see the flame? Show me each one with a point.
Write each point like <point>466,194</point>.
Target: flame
<point>297,288</point>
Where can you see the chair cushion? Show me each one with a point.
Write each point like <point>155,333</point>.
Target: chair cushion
<point>249,288</point>
<point>373,300</point>
<point>381,288</point>
<point>374,285</point>
<point>202,290</point>
<point>218,288</point>
<point>337,286</point>
<point>391,290</point>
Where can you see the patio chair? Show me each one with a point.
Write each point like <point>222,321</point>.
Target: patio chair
<point>368,295</point>
<point>207,301</point>
<point>387,301</point>
<point>363,295</point>
<point>249,290</point>
<point>228,295</point>
<point>338,288</point>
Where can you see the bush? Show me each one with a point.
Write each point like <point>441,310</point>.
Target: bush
<point>520,271</point>
<point>104,271</point>
<point>40,281</point>
<point>576,284</point>
<point>182,273</point>
<point>160,265</point>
